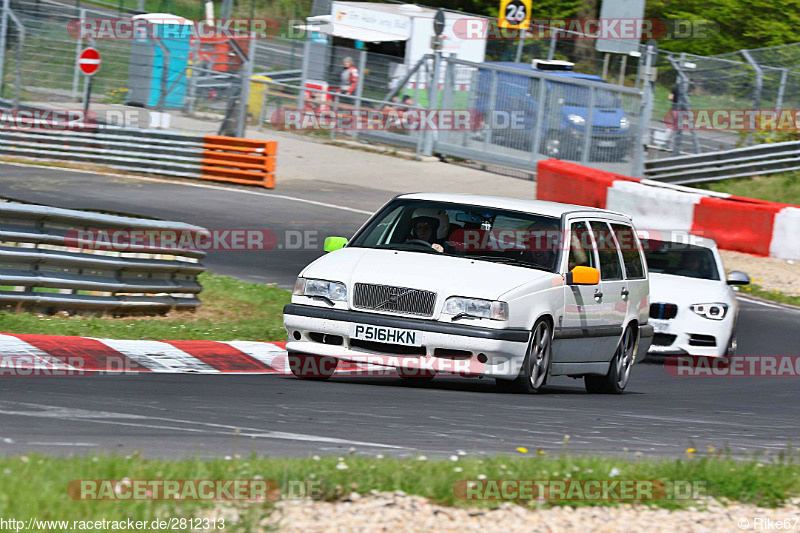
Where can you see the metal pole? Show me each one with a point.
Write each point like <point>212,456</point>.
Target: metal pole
<point>362,66</point>
<point>244,91</point>
<point>538,133</point>
<point>781,89</point>
<point>637,165</point>
<point>551,53</point>
<point>3,33</point>
<point>76,74</point>
<point>263,111</point>
<point>87,94</point>
<point>164,73</point>
<point>20,47</point>
<point>759,83</point>
<point>488,122</point>
<point>520,45</point>
<point>622,68</point>
<point>433,100</point>
<point>606,60</point>
<point>304,73</point>
<point>587,138</point>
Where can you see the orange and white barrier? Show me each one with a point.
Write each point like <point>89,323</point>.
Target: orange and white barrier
<point>736,223</point>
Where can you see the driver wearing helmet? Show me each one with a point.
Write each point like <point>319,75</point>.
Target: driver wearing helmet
<point>430,226</point>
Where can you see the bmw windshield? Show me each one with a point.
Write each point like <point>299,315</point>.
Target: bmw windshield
<point>467,231</point>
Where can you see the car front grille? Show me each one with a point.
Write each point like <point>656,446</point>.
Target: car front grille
<point>400,300</point>
<point>663,311</point>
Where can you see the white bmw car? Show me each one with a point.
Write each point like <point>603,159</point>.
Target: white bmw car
<point>693,307</point>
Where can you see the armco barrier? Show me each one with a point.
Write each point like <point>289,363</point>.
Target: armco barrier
<point>229,159</point>
<point>44,266</point>
<point>736,223</point>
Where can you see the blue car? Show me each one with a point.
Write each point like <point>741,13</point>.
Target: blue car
<point>565,114</point>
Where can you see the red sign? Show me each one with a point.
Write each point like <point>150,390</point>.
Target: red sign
<point>89,61</point>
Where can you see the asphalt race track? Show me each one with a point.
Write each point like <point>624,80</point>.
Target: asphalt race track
<point>179,415</point>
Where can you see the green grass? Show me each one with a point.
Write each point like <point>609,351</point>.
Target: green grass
<point>231,310</point>
<point>783,187</point>
<point>769,294</point>
<point>763,481</point>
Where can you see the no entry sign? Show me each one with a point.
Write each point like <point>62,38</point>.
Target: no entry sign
<point>89,61</point>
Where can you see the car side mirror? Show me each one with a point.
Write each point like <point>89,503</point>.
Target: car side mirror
<point>334,243</point>
<point>582,275</point>
<point>737,277</point>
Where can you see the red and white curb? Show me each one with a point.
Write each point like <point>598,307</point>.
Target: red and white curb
<point>74,354</point>
<point>23,354</point>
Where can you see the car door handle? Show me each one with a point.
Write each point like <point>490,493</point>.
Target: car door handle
<point>624,293</point>
<point>598,294</point>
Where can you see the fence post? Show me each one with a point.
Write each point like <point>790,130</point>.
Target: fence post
<point>639,137</point>
<point>301,101</point>
<point>362,67</point>
<point>20,47</point>
<point>76,74</point>
<point>587,138</point>
<point>244,90</point>
<point>758,86</point>
<point>3,33</point>
<point>433,100</point>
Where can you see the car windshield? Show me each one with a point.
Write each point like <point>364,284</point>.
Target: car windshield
<point>578,95</point>
<point>458,230</point>
<point>680,259</point>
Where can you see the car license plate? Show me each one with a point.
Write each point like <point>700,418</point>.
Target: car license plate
<point>660,327</point>
<point>606,144</point>
<point>382,334</point>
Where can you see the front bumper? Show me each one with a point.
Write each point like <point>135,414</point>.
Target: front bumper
<point>686,334</point>
<point>459,349</point>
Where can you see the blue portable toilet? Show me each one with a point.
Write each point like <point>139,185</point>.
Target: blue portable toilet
<point>148,60</point>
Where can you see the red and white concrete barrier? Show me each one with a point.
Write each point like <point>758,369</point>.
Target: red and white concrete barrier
<point>736,223</point>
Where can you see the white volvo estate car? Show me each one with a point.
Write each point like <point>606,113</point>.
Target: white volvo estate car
<point>477,286</point>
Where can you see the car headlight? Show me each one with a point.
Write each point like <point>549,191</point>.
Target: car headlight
<point>329,290</point>
<point>577,120</point>
<point>458,306</point>
<point>624,123</point>
<point>715,311</point>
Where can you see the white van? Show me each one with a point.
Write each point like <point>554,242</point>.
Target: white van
<point>518,290</point>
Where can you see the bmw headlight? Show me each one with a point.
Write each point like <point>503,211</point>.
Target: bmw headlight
<point>458,306</point>
<point>317,288</point>
<point>624,123</point>
<point>716,311</point>
<point>576,120</point>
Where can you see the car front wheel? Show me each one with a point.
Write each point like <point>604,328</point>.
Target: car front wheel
<point>615,381</point>
<point>536,365</point>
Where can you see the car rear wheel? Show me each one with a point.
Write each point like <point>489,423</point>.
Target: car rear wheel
<point>619,372</point>
<point>536,365</point>
<point>312,367</point>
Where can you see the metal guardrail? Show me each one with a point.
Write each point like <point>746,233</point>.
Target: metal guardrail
<point>713,166</point>
<point>210,157</point>
<point>46,264</point>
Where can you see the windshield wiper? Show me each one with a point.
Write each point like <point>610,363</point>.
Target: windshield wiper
<point>407,247</point>
<point>507,260</point>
